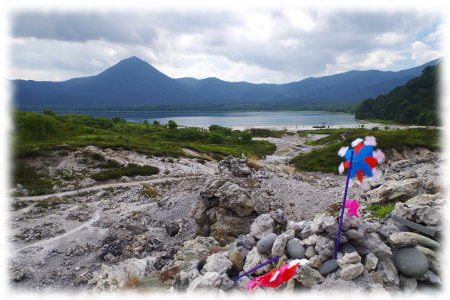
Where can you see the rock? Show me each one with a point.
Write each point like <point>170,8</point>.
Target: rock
<point>370,262</point>
<point>349,258</point>
<point>434,258</point>
<point>402,239</point>
<point>229,226</point>
<point>400,191</point>
<point>265,244</point>
<point>262,225</point>
<point>433,278</point>
<point>316,225</point>
<point>387,270</point>
<point>246,241</point>
<point>243,281</point>
<point>235,198</point>
<point>237,260</point>
<point>310,252</point>
<point>181,282</point>
<point>424,197</point>
<point>387,230</point>
<point>172,228</point>
<point>428,215</point>
<point>205,283</point>
<point>409,174</point>
<point>113,277</point>
<point>295,249</point>
<point>260,202</point>
<point>253,259</point>
<point>305,233</point>
<point>410,224</point>
<point>357,236</point>
<point>351,271</point>
<point>332,285</point>
<point>373,244</point>
<point>17,275</point>
<point>280,242</point>
<point>315,262</point>
<point>325,247</point>
<point>217,263</point>
<point>124,179</point>
<point>308,276</point>
<point>196,249</point>
<point>310,241</point>
<point>201,264</point>
<point>296,226</point>
<point>225,282</point>
<point>346,248</point>
<point>280,217</point>
<point>328,266</point>
<point>238,167</point>
<point>411,262</point>
<point>420,239</point>
<point>408,284</point>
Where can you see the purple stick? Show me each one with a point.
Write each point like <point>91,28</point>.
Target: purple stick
<point>343,207</point>
<point>256,268</point>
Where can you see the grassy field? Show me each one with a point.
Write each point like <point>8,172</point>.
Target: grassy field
<point>327,160</point>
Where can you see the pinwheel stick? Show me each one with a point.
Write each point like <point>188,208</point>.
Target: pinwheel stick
<point>256,268</point>
<point>343,207</point>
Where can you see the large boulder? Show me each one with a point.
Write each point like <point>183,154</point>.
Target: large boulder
<point>236,166</point>
<point>400,191</point>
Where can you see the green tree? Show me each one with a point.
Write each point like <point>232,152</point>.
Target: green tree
<point>146,123</point>
<point>39,126</point>
<point>156,123</point>
<point>246,137</point>
<point>172,125</point>
<point>216,138</point>
<point>49,112</point>
<point>118,120</point>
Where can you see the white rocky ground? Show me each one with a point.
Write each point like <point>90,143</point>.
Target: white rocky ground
<point>61,250</point>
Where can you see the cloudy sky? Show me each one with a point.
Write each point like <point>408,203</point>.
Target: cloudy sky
<point>280,43</point>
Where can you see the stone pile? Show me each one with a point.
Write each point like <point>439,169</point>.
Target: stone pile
<point>376,257</point>
<point>41,231</point>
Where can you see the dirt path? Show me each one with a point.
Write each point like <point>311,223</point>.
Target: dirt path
<point>98,187</point>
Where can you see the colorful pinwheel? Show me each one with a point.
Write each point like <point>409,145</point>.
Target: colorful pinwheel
<point>364,159</point>
<point>277,276</point>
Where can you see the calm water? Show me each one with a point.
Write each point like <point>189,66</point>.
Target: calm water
<point>236,118</point>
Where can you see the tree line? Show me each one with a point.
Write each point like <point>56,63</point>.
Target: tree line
<point>414,103</point>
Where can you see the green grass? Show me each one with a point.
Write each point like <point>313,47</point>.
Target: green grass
<point>19,205</point>
<point>327,160</point>
<point>262,132</point>
<point>37,183</point>
<point>381,211</point>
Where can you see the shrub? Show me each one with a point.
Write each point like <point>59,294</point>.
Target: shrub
<point>246,137</point>
<point>375,128</point>
<point>381,211</point>
<point>216,138</point>
<point>130,170</point>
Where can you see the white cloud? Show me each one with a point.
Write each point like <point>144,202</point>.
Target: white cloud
<point>422,53</point>
<point>439,34</point>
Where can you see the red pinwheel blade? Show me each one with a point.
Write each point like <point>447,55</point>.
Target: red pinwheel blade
<point>346,164</point>
<point>358,147</point>
<point>359,174</point>
<point>372,162</point>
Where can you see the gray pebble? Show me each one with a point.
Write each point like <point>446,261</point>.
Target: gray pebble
<point>265,244</point>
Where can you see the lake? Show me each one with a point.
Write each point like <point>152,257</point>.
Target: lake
<point>235,118</point>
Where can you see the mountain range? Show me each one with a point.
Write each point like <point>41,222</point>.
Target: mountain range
<point>133,81</point>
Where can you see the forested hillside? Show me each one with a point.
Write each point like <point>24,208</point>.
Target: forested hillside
<point>414,103</point>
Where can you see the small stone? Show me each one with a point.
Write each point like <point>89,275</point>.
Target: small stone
<point>402,239</point>
<point>434,259</point>
<point>433,278</point>
<point>295,249</point>
<point>308,276</point>
<point>246,241</point>
<point>408,284</point>
<point>328,266</point>
<point>349,258</point>
<point>236,258</point>
<point>265,244</point>
<point>411,262</point>
<point>371,262</point>
<point>424,240</point>
<point>346,248</point>
<point>200,264</point>
<point>351,271</point>
<point>310,252</point>
<point>262,226</point>
<point>280,242</point>
<point>310,241</point>
<point>315,262</point>
<point>280,217</point>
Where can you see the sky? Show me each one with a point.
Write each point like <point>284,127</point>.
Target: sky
<point>278,43</point>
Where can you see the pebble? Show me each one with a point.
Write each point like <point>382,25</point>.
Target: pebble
<point>424,240</point>
<point>200,264</point>
<point>328,267</point>
<point>411,262</point>
<point>346,248</point>
<point>265,244</point>
<point>295,249</point>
